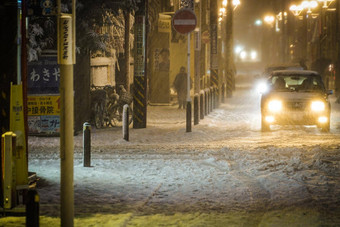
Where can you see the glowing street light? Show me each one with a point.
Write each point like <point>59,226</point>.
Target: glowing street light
<point>253,55</point>
<point>296,9</point>
<point>223,10</point>
<point>269,19</point>
<point>235,3</point>
<point>309,5</point>
<point>243,55</point>
<point>238,49</point>
<point>326,3</point>
<point>258,22</point>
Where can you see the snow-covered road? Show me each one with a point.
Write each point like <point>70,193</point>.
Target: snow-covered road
<point>224,173</point>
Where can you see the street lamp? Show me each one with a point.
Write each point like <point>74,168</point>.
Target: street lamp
<point>258,22</point>
<point>296,9</point>
<point>269,19</point>
<point>309,5</point>
<point>235,3</point>
<point>326,3</point>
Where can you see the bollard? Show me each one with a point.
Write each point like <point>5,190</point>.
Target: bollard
<point>205,102</point>
<point>32,209</point>
<point>208,101</point>
<point>196,110</point>
<point>126,122</point>
<point>188,128</point>
<point>223,93</point>
<point>8,176</point>
<point>202,105</point>
<point>217,96</point>
<point>211,99</point>
<point>87,144</point>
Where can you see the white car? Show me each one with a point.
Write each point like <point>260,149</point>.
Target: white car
<point>295,97</point>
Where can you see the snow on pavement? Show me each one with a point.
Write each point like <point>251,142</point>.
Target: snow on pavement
<point>224,172</point>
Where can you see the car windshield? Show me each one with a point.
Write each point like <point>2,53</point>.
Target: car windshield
<point>296,82</point>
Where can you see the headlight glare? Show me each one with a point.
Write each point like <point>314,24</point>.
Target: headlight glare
<point>262,88</point>
<point>318,106</point>
<point>275,105</point>
<point>323,120</point>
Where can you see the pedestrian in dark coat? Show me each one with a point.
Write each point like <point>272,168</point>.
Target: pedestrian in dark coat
<point>180,85</point>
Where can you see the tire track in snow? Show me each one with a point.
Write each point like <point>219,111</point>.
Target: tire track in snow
<point>140,207</point>
<point>259,196</point>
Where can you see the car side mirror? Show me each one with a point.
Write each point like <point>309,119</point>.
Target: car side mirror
<point>330,92</point>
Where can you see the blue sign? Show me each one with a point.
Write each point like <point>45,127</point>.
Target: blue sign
<point>43,76</point>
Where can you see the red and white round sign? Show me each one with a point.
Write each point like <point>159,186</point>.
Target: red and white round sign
<point>184,21</point>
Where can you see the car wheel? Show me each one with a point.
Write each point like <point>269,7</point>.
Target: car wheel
<point>265,127</point>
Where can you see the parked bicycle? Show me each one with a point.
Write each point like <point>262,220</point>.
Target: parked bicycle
<point>107,106</point>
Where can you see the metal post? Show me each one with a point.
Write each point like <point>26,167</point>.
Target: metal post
<point>212,97</point>
<point>8,178</point>
<point>188,127</point>
<point>229,49</point>
<point>140,66</point>
<point>188,118</point>
<point>214,80</point>
<point>127,49</point>
<point>87,144</point>
<point>202,104</point>
<point>126,122</point>
<point>66,145</point>
<point>66,59</point>
<point>32,209</point>
<point>207,103</point>
<point>196,109</point>
<point>197,35</point>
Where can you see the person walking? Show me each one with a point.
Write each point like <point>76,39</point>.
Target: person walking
<point>180,85</point>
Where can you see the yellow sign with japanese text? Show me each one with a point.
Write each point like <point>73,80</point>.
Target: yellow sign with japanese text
<point>17,126</point>
<point>43,105</point>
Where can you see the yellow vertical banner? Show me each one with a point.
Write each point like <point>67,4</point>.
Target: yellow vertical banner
<point>17,125</point>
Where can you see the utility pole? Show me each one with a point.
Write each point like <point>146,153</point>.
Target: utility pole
<point>283,32</point>
<point>66,60</point>
<point>204,30</point>
<point>197,40</point>
<point>213,45</point>
<point>337,65</point>
<point>140,66</point>
<point>8,59</point>
<point>229,49</point>
<point>127,47</point>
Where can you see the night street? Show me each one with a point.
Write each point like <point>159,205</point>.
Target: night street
<point>170,113</point>
<point>224,173</point>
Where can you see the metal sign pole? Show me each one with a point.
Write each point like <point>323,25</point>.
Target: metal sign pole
<point>140,66</point>
<point>66,59</point>
<point>188,118</point>
<point>188,75</point>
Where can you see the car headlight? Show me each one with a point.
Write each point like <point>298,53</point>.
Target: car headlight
<point>262,87</point>
<point>318,106</point>
<point>275,106</point>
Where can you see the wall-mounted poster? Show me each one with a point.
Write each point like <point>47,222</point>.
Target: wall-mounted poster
<point>43,100</point>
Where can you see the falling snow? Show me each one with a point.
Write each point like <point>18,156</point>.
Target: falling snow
<point>224,172</point>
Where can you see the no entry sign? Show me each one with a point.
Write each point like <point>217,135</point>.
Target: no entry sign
<point>184,21</point>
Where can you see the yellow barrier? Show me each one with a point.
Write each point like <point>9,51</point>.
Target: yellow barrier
<point>8,170</point>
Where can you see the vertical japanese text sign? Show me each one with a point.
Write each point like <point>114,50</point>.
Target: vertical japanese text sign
<point>140,45</point>
<point>65,53</point>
